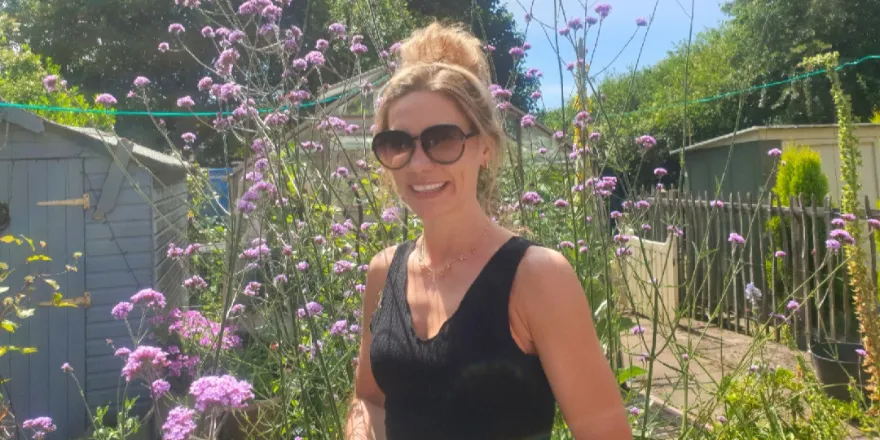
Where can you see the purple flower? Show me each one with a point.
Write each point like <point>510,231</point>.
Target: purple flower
<point>560,203</point>
<point>236,309</point>
<point>338,30</point>
<point>603,9</point>
<point>185,102</point>
<point>225,61</point>
<point>163,47</point>
<point>359,49</point>
<point>779,254</point>
<point>121,310</point>
<point>252,288</point>
<point>842,235</point>
<point>646,227</point>
<point>316,58</point>
<point>542,150</point>
<point>635,411</point>
<point>736,239</point>
<point>528,17</point>
<point>205,83</point>
<point>50,82</point>
<point>616,214</point>
<point>176,28</point>
<point>489,48</point>
<point>235,36</point>
<point>873,223</point>
<point>271,12</point>
<point>65,367</point>
<point>660,172</point>
<point>832,245</point>
<point>722,419</point>
<point>641,21</point>
<point>776,152</point>
<point>838,223</point>
<point>159,387</point>
<point>105,99</point>
<point>342,266</point>
<point>717,204</point>
<point>591,20</point>
<point>526,45</point>
<point>533,73</point>
<point>338,328</point>
<point>122,352</point>
<point>313,308</point>
<point>861,352</point>
<point>151,298</point>
<point>302,266</point>
<point>637,330</point>
<point>848,217</point>
<point>643,204</point>
<point>646,141</point>
<point>575,23</point>
<point>390,214</point>
<point>792,305</point>
<point>179,424</point>
<point>223,393</point>
<point>684,356</point>
<point>188,137</point>
<point>558,134</point>
<point>208,32</point>
<point>531,198</point>
<point>141,81</point>
<point>565,244</point>
<point>40,425</point>
<point>516,52</point>
<point>621,238</point>
<point>144,361</point>
<point>583,249</point>
<point>564,31</point>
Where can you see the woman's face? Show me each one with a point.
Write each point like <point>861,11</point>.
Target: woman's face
<point>430,189</point>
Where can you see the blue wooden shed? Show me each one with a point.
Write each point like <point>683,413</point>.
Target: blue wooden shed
<point>120,204</point>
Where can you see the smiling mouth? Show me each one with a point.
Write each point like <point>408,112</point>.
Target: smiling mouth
<point>428,188</point>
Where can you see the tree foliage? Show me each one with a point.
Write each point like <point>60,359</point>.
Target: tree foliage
<point>21,81</point>
<point>801,175</point>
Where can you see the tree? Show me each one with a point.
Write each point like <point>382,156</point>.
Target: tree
<point>21,81</point>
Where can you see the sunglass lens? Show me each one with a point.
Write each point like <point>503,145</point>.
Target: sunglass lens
<point>393,148</point>
<point>443,143</point>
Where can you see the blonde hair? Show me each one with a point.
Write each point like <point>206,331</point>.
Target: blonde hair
<point>448,59</point>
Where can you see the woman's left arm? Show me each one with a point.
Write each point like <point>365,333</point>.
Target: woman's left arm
<point>559,323</point>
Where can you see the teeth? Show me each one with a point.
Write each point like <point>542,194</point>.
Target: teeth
<point>424,188</point>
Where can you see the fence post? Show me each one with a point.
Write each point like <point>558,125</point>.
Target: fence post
<point>816,277</point>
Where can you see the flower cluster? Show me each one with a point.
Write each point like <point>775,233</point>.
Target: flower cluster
<point>40,425</point>
<point>223,393</point>
<point>192,325</point>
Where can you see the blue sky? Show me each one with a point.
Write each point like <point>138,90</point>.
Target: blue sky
<point>669,25</point>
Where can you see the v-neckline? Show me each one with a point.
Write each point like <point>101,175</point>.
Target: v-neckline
<point>467,293</point>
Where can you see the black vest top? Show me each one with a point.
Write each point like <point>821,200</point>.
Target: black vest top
<point>470,381</point>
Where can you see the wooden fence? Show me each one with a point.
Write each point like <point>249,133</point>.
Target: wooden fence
<point>713,273</point>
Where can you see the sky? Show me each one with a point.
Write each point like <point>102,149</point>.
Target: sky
<point>670,24</point>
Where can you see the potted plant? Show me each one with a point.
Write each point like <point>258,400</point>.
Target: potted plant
<point>835,363</point>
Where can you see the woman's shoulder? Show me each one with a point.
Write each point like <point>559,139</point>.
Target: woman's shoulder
<point>544,273</point>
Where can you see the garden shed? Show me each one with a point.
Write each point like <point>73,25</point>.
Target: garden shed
<point>71,190</point>
<point>750,167</point>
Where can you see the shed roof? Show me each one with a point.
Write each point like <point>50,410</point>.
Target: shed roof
<point>769,132</point>
<point>159,163</point>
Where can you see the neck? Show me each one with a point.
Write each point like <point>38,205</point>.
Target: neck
<point>452,235</point>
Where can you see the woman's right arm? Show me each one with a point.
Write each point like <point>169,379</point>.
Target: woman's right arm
<point>366,416</point>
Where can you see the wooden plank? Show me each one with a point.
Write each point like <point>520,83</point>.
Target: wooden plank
<point>830,272</point>
<point>113,263</point>
<point>100,365</point>
<point>760,234</point>
<point>37,150</point>
<point>129,213</point>
<point>804,279</point>
<point>38,374</point>
<point>735,288</point>
<point>120,246</point>
<point>816,276</point>
<point>76,321</point>
<point>114,330</point>
<point>6,251</point>
<point>22,118</point>
<point>106,231</point>
<point>21,212</point>
<point>789,257</point>
<point>58,318</point>
<point>112,295</point>
<point>113,182</point>
<point>104,280</point>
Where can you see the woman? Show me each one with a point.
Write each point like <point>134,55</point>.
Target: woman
<point>470,332</point>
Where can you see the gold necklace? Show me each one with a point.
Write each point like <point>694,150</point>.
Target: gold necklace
<point>442,271</point>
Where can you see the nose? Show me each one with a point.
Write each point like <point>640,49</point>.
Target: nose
<point>420,160</point>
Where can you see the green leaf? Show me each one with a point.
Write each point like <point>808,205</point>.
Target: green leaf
<point>30,242</point>
<point>38,257</point>
<point>629,373</point>
<point>9,325</point>
<point>28,350</point>
<point>3,350</point>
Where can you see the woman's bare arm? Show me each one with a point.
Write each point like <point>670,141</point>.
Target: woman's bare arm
<point>366,415</point>
<point>560,325</point>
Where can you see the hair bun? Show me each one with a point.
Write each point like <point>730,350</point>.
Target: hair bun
<point>450,44</point>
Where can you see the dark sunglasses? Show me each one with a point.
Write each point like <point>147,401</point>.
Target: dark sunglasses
<point>443,144</point>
